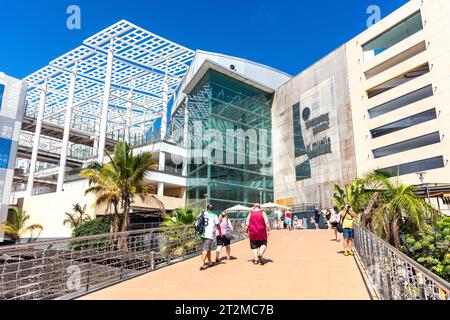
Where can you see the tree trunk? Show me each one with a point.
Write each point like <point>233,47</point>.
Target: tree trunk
<point>368,212</point>
<point>125,223</point>
<point>396,231</point>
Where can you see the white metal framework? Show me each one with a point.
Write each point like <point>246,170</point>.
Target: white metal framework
<point>119,81</point>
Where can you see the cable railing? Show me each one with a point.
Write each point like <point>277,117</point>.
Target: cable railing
<point>394,275</point>
<point>66,269</point>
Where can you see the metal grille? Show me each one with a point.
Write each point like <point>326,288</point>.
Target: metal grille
<point>394,275</point>
<point>69,268</point>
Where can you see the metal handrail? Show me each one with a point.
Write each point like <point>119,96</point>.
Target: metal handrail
<point>394,275</point>
<point>65,269</point>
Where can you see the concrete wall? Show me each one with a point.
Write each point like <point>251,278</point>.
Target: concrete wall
<point>12,102</point>
<point>323,88</point>
<point>49,209</point>
<point>436,34</point>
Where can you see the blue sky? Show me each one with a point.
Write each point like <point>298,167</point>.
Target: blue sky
<point>287,35</point>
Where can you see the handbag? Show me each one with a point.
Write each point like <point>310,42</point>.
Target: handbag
<point>339,227</point>
<point>229,233</point>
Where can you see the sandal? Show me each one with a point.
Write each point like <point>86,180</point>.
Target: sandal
<point>203,268</point>
<point>255,262</point>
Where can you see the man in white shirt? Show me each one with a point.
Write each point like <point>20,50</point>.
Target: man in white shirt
<point>212,223</point>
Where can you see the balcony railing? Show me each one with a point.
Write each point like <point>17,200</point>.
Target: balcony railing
<point>65,269</point>
<point>394,275</point>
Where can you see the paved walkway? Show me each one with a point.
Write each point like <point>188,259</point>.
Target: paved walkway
<point>304,265</point>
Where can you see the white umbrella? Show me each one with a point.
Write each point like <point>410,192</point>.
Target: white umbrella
<point>271,205</point>
<point>239,208</point>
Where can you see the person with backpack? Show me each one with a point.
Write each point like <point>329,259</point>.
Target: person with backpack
<point>224,240</point>
<point>257,230</point>
<point>206,225</point>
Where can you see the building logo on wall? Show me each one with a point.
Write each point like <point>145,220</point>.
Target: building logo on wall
<point>312,128</point>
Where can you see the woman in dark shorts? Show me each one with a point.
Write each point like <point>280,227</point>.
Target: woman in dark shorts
<point>224,240</point>
<point>258,229</point>
<point>334,221</point>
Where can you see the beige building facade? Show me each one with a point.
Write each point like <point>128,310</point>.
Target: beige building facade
<point>312,132</point>
<point>379,102</point>
<point>399,81</point>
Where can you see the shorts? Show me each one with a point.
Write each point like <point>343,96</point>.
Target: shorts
<point>207,244</point>
<point>255,244</point>
<point>349,233</point>
<point>288,221</point>
<point>334,224</point>
<point>223,241</point>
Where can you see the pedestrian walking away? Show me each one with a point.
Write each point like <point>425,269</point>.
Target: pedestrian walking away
<point>317,217</point>
<point>288,220</point>
<point>211,223</point>
<point>224,238</point>
<point>257,229</point>
<point>278,215</point>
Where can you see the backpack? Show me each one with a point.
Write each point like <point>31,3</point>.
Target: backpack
<point>200,223</point>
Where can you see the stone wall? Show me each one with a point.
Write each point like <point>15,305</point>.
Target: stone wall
<point>318,100</point>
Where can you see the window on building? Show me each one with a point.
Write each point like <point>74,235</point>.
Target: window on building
<point>410,144</point>
<point>399,80</point>
<point>415,166</point>
<point>402,101</point>
<point>404,123</point>
<point>5,147</point>
<point>2,90</point>
<point>391,37</point>
<point>396,60</point>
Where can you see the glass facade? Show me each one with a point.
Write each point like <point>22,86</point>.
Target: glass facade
<point>2,90</point>
<point>5,149</point>
<point>236,167</point>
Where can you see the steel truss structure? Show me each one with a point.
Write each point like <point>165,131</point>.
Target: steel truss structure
<point>114,86</point>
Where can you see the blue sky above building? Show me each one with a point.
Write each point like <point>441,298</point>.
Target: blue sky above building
<point>287,35</point>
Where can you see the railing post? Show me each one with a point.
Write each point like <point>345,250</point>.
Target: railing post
<point>183,242</point>
<point>420,285</point>
<point>149,250</point>
<point>88,279</point>
<point>401,278</point>
<point>121,267</point>
<point>152,260</point>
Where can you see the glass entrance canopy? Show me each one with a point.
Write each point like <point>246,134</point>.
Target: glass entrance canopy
<point>131,70</point>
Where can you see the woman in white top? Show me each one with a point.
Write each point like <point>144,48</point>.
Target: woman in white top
<point>334,221</point>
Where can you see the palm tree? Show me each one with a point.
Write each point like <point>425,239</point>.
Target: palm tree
<point>78,216</point>
<point>117,182</point>
<point>180,216</point>
<point>396,205</point>
<point>353,194</point>
<point>183,238</point>
<point>18,228</point>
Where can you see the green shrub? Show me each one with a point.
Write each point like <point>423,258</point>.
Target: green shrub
<point>432,251</point>
<point>100,225</point>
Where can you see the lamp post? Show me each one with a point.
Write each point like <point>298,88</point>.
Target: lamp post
<point>421,178</point>
<point>260,194</point>
<point>206,201</point>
